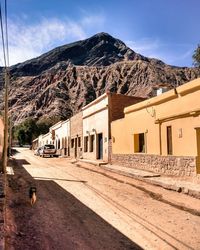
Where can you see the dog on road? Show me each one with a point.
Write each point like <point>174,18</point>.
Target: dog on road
<point>32,195</point>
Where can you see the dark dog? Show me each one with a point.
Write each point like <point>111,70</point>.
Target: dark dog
<point>32,195</point>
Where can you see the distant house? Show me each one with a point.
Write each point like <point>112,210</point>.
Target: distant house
<point>97,117</point>
<point>60,137</point>
<point>45,139</point>
<point>161,134</point>
<point>76,135</point>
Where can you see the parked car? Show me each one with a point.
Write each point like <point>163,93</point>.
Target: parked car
<point>47,150</point>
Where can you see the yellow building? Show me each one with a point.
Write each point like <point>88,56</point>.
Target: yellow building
<point>161,134</point>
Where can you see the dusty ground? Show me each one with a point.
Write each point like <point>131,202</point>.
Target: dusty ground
<point>85,207</point>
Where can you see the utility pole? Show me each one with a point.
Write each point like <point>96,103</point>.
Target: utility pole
<point>5,146</point>
<point>10,136</point>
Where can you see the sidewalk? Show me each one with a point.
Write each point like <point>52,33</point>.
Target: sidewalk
<point>186,185</point>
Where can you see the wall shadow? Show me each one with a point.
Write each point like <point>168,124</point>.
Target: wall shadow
<point>22,162</point>
<point>58,220</point>
<point>57,179</point>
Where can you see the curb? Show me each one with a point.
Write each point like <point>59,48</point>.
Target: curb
<point>152,194</point>
<point>177,188</point>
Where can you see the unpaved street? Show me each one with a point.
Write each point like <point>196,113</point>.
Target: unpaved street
<point>85,207</point>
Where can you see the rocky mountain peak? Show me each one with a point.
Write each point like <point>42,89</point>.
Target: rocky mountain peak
<point>60,82</point>
<point>99,50</point>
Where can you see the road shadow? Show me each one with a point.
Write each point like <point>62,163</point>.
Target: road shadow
<point>57,179</point>
<point>14,151</point>
<point>58,220</point>
<point>22,162</point>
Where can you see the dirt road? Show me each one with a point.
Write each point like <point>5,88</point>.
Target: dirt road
<point>85,207</point>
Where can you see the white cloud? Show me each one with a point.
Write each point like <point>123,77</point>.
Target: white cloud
<point>28,41</point>
<point>93,20</point>
<point>144,46</point>
<point>168,53</point>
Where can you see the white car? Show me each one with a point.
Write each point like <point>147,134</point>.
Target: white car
<point>47,150</point>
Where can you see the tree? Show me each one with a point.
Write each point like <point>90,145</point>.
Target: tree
<point>196,56</point>
<point>26,131</point>
<point>21,137</point>
<point>30,129</point>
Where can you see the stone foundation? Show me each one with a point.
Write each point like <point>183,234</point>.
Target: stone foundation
<point>168,165</point>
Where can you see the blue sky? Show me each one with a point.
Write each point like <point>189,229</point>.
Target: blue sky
<point>164,29</point>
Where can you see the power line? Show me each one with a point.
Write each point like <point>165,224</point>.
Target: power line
<point>2,36</point>
<point>7,81</point>
<point>6,27</point>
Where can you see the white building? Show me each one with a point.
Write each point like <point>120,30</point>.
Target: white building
<point>60,137</point>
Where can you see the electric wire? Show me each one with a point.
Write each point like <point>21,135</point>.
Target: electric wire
<point>2,37</point>
<point>6,31</point>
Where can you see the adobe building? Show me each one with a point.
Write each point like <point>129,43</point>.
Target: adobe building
<point>76,135</point>
<point>60,137</point>
<point>41,140</point>
<point>161,134</point>
<point>97,117</point>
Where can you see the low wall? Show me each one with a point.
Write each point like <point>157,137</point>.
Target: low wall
<point>168,165</point>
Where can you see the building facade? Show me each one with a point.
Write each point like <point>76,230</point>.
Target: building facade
<point>42,140</point>
<point>161,134</point>
<point>76,136</point>
<point>97,117</point>
<point>60,137</point>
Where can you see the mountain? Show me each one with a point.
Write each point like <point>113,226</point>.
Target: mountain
<point>63,80</point>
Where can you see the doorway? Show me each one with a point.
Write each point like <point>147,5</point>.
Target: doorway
<point>169,140</point>
<point>75,147</point>
<point>100,146</point>
<point>198,150</point>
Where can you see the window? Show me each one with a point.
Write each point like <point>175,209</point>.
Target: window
<point>72,143</point>
<point>49,146</point>
<point>139,143</point>
<point>91,143</point>
<point>85,143</point>
<point>169,140</point>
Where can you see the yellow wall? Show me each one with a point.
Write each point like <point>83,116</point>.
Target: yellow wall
<point>183,136</point>
<point>134,123</point>
<point>178,108</point>
<point>198,150</point>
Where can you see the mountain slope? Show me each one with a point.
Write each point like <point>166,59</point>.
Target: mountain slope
<point>99,50</point>
<point>62,81</point>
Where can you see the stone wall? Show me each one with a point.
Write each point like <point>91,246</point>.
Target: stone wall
<point>168,165</point>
